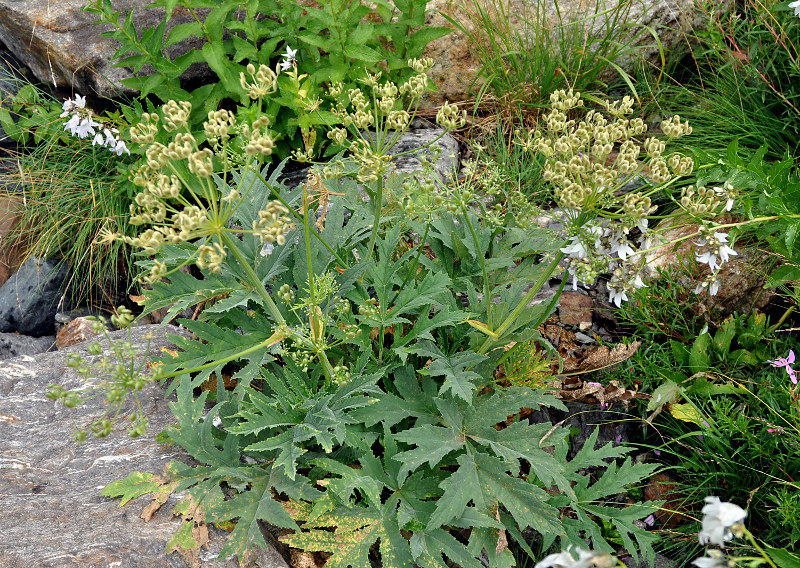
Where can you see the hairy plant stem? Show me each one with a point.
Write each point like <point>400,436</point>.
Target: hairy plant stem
<point>378,205</point>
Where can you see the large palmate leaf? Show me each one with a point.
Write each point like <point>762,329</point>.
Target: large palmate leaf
<point>249,507</point>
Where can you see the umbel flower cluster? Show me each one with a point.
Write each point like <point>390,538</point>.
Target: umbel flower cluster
<point>378,114</point>
<point>82,124</point>
<point>591,164</point>
<point>178,197</point>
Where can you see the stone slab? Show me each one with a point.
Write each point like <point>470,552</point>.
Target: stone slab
<point>50,486</point>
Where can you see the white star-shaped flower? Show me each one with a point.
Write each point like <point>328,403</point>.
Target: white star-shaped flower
<point>796,6</point>
<point>288,58</point>
<point>586,559</point>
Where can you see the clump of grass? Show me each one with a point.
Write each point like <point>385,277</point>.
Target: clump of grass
<point>71,196</point>
<point>71,200</point>
<point>526,55</point>
<point>742,80</point>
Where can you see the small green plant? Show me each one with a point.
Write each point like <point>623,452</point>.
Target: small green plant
<point>118,375</point>
<point>361,340</point>
<point>739,340</point>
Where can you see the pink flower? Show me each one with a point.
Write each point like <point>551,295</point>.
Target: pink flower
<point>786,362</point>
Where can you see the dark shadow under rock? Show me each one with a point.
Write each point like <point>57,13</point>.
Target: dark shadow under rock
<point>585,418</point>
<point>50,486</point>
<point>15,345</point>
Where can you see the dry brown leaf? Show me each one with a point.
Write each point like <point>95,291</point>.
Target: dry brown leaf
<point>160,496</point>
<point>502,540</point>
<point>302,559</point>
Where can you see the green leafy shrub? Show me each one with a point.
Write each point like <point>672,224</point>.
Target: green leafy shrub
<point>327,42</point>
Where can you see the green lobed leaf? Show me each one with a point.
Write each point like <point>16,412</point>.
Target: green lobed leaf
<point>133,486</point>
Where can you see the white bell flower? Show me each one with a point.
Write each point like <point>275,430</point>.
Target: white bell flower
<point>720,521</point>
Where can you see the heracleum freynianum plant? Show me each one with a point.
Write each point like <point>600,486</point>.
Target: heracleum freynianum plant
<point>361,339</point>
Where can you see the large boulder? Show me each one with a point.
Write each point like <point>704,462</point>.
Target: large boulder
<point>50,486</point>
<point>61,46</point>
<point>29,299</point>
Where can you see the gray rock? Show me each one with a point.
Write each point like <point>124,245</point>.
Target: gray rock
<point>50,486</point>
<point>29,299</point>
<point>15,345</point>
<point>59,44</point>
<point>423,134</point>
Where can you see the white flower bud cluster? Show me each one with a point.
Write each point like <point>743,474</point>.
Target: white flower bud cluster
<point>264,81</point>
<point>173,204</point>
<point>371,165</point>
<point>210,257</point>
<point>674,128</point>
<point>273,223</point>
<point>449,118</point>
<point>82,124</point>
<point>700,201</point>
<point>219,125</point>
<point>145,131</point>
<point>176,115</point>
<point>259,140</point>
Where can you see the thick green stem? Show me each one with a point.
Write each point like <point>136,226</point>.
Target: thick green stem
<point>749,536</point>
<point>482,258</point>
<point>253,278</point>
<point>509,321</point>
<point>216,362</point>
<point>316,323</point>
<point>377,206</point>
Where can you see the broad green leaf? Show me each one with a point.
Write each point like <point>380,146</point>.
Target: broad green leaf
<point>460,488</point>
<point>783,558</point>
<point>133,486</point>
<point>432,444</point>
<point>667,393</point>
<point>356,530</point>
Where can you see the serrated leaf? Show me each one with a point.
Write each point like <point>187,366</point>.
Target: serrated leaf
<point>133,486</point>
<point>460,488</point>
<point>257,503</point>
<point>526,502</point>
<point>458,378</point>
<point>432,444</point>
